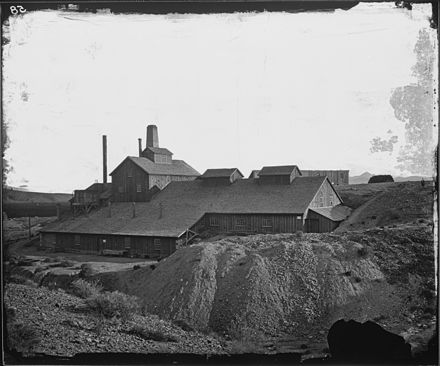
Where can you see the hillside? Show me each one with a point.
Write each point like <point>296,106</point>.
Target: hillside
<point>364,177</point>
<point>383,204</point>
<point>12,195</point>
<point>276,286</point>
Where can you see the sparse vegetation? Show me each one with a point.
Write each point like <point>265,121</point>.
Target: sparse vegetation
<point>22,281</point>
<point>113,304</point>
<point>86,270</point>
<point>85,289</point>
<point>183,325</point>
<point>152,334</point>
<point>363,252</point>
<point>67,263</point>
<point>22,338</point>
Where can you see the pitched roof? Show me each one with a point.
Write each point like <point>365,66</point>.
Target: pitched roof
<point>159,150</point>
<point>177,167</point>
<point>277,170</point>
<point>183,203</point>
<point>254,174</point>
<point>336,213</point>
<point>219,173</point>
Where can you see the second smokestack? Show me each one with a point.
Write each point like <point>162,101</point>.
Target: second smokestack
<point>104,159</point>
<point>140,147</point>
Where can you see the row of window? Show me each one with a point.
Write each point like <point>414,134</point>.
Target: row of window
<point>138,188</point>
<point>267,222</point>
<point>157,244</point>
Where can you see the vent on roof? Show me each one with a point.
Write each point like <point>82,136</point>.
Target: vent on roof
<point>283,174</point>
<point>221,176</point>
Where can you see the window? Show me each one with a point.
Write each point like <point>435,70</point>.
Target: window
<point>130,174</point>
<point>127,242</point>
<point>138,188</point>
<point>267,222</point>
<point>298,217</point>
<point>321,200</point>
<point>77,240</point>
<point>214,221</point>
<point>331,199</point>
<point>157,244</point>
<point>240,221</point>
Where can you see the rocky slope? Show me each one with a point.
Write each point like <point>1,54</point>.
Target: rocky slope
<point>65,327</point>
<point>267,286</point>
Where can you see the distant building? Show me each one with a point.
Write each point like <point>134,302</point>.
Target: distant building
<point>96,195</point>
<point>134,178</point>
<point>336,176</point>
<point>280,200</point>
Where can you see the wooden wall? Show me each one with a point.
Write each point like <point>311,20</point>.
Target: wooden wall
<point>249,223</point>
<point>152,247</point>
<point>274,179</point>
<point>335,176</point>
<point>325,197</point>
<point>316,223</point>
<point>127,178</point>
<point>162,181</point>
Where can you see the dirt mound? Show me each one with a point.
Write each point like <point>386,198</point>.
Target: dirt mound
<point>267,284</point>
<point>385,204</point>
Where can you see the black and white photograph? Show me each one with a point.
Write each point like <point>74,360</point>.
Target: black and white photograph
<point>222,182</point>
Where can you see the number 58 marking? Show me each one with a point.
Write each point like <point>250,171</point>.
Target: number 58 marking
<point>17,9</point>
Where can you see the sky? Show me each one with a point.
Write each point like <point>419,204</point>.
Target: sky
<point>238,90</point>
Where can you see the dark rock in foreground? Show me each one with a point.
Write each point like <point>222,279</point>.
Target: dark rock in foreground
<point>351,341</point>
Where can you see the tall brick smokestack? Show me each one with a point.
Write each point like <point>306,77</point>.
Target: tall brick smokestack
<point>152,136</point>
<point>104,158</point>
<point>140,146</point>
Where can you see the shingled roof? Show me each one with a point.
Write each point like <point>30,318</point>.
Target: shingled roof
<point>177,167</point>
<point>159,150</point>
<point>219,173</point>
<point>181,204</point>
<point>335,213</point>
<point>277,170</point>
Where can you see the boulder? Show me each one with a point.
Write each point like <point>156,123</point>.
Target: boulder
<point>351,341</point>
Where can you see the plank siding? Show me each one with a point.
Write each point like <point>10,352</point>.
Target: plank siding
<point>274,179</point>
<point>325,197</point>
<point>335,176</point>
<point>95,244</point>
<point>125,182</point>
<point>249,223</point>
<point>320,225</point>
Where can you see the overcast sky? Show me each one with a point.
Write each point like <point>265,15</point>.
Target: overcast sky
<point>226,90</point>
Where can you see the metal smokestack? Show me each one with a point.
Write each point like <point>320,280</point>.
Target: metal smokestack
<point>140,146</point>
<point>104,159</point>
<point>152,136</point>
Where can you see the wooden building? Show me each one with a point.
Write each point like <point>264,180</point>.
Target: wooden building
<point>219,201</point>
<point>134,178</point>
<point>336,177</point>
<point>84,200</point>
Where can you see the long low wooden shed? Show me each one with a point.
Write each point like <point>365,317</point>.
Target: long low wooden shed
<point>219,201</point>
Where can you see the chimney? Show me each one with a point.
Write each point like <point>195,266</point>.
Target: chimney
<point>104,158</point>
<point>152,136</point>
<point>140,147</point>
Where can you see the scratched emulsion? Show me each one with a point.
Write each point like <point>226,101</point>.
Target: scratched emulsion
<point>414,104</point>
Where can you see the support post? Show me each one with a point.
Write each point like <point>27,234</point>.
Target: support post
<point>29,227</point>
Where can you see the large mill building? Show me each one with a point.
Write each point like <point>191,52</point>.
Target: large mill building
<point>157,202</point>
